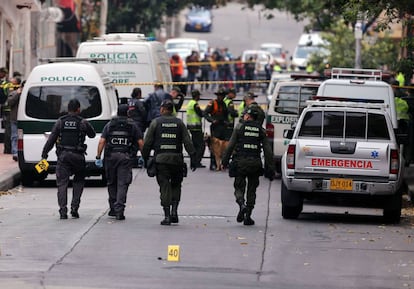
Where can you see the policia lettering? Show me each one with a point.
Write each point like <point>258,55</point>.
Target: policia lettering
<point>168,136</point>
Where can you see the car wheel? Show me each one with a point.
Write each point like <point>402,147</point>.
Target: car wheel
<point>392,212</point>
<point>292,203</point>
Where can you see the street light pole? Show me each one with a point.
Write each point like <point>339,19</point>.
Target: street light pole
<point>358,38</point>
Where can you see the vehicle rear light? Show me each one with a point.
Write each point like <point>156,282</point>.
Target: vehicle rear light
<point>290,157</point>
<point>270,130</point>
<point>394,162</point>
<point>20,140</point>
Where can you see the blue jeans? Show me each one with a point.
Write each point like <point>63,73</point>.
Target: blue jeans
<point>14,136</point>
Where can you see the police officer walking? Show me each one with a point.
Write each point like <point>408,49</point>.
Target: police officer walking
<point>249,102</point>
<point>166,136</point>
<point>245,146</point>
<point>121,139</point>
<point>69,134</point>
<point>194,116</point>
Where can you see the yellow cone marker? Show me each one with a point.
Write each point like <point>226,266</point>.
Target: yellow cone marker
<point>173,254</point>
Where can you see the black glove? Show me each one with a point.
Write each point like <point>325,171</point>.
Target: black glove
<point>269,174</point>
<point>44,156</point>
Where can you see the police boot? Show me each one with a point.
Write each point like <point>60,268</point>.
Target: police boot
<point>248,221</point>
<point>63,213</point>
<point>242,211</point>
<point>174,214</point>
<point>74,213</point>
<point>212,163</point>
<point>167,218</point>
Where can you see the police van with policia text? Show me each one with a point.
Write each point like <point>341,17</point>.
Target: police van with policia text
<point>45,98</point>
<point>343,151</point>
<point>130,60</point>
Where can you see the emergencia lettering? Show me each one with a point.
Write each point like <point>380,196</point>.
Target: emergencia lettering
<point>338,163</point>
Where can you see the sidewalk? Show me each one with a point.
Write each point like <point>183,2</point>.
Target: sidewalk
<point>9,171</point>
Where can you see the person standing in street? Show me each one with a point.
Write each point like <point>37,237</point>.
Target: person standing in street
<point>153,101</point>
<point>136,110</point>
<point>13,102</point>
<point>216,112</point>
<point>232,112</point>
<point>194,116</point>
<point>69,134</point>
<point>166,136</point>
<point>245,147</point>
<point>121,138</point>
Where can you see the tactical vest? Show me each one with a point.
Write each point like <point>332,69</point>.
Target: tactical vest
<point>193,119</point>
<point>71,137</point>
<point>119,137</point>
<point>250,140</point>
<point>168,136</point>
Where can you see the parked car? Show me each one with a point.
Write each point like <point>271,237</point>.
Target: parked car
<point>199,20</point>
<point>276,49</point>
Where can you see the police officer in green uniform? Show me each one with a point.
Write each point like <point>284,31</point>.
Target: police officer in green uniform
<point>69,134</point>
<point>232,112</point>
<point>245,147</point>
<point>250,102</point>
<point>194,116</point>
<point>121,138</point>
<point>166,136</point>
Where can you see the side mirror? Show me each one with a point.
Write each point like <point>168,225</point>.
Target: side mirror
<point>288,133</point>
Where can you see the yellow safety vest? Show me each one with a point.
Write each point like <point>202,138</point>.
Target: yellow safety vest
<point>193,119</point>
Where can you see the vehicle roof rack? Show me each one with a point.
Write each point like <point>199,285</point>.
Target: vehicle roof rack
<point>297,76</point>
<point>121,37</point>
<point>355,73</point>
<point>352,104</point>
<point>71,59</point>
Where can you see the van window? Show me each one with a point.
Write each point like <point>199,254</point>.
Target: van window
<point>292,99</point>
<point>355,123</point>
<point>51,102</point>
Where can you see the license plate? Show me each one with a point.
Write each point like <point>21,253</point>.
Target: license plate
<point>198,26</point>
<point>341,184</point>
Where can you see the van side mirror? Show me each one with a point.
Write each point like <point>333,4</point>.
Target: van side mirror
<point>288,133</point>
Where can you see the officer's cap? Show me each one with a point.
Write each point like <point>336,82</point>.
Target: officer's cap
<point>231,90</point>
<point>195,92</point>
<point>253,112</point>
<point>250,95</point>
<point>167,104</point>
<point>123,110</point>
<point>221,91</point>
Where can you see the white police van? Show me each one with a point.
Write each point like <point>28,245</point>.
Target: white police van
<point>343,151</point>
<point>130,60</point>
<point>45,98</point>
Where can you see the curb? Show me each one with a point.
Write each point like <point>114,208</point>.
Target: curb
<point>9,179</point>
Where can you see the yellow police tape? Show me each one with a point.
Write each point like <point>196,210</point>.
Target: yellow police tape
<point>41,166</point>
<point>191,82</point>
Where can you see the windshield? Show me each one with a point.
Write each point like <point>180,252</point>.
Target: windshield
<point>292,99</point>
<point>51,102</point>
<point>305,51</point>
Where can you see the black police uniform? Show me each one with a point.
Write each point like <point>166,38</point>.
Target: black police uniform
<point>137,112</point>
<point>246,143</point>
<point>121,135</point>
<point>69,134</point>
<point>166,135</point>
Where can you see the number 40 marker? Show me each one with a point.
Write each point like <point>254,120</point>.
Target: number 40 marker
<point>173,254</point>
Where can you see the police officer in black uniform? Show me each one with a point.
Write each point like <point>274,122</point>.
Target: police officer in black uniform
<point>246,144</point>
<point>166,136</point>
<point>69,134</point>
<point>121,138</point>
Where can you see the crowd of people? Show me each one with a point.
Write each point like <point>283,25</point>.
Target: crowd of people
<point>215,66</point>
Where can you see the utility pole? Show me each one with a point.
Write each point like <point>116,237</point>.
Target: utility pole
<point>104,16</point>
<point>358,38</point>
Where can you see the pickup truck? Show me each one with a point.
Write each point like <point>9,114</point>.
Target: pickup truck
<point>343,150</point>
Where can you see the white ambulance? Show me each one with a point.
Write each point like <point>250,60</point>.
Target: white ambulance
<point>130,61</point>
<point>45,98</point>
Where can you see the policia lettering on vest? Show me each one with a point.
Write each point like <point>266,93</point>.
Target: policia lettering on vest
<point>121,138</point>
<point>69,134</point>
<point>169,159</point>
<point>245,147</point>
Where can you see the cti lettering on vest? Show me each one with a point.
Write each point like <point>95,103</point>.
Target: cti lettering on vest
<point>338,163</point>
<point>70,124</point>
<point>66,78</point>
<point>119,141</point>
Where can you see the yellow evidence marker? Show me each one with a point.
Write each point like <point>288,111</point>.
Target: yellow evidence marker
<point>173,254</point>
<point>41,166</point>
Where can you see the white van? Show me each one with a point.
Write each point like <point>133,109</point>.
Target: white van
<point>189,43</point>
<point>44,99</point>
<point>287,102</point>
<point>130,61</point>
<point>359,85</point>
